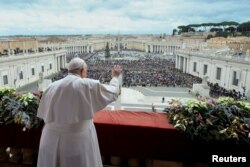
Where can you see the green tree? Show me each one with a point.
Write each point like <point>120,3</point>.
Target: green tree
<point>174,31</point>
<point>107,51</point>
<point>226,24</point>
<point>194,26</point>
<point>183,28</point>
<point>244,27</point>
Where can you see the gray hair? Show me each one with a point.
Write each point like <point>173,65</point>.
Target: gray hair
<point>76,65</point>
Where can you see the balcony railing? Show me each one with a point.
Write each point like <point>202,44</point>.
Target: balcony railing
<point>133,135</point>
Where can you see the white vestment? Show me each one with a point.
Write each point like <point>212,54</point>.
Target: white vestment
<point>67,107</point>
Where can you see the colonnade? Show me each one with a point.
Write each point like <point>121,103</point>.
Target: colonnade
<point>161,48</point>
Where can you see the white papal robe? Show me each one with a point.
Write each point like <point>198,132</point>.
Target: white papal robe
<point>67,107</point>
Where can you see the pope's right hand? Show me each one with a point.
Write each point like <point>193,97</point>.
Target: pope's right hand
<point>116,71</point>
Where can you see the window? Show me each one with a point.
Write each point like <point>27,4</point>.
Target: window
<point>33,71</point>
<point>42,68</point>
<point>21,75</point>
<point>218,73</point>
<point>5,79</point>
<point>195,64</point>
<point>50,66</point>
<point>235,78</point>
<point>205,69</point>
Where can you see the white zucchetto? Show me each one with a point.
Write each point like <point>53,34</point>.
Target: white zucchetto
<point>76,63</point>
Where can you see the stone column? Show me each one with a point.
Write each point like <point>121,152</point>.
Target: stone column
<point>184,64</point>
<point>179,64</point>
<point>58,63</point>
<point>176,61</point>
<point>88,49</point>
<point>187,65</point>
<point>61,61</point>
<point>62,57</point>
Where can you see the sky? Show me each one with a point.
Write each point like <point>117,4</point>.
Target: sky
<point>65,17</point>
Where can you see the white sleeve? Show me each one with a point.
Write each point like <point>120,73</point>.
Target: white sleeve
<point>103,94</point>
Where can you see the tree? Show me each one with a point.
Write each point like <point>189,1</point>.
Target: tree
<point>183,28</point>
<point>174,31</point>
<point>205,25</point>
<point>225,24</point>
<point>231,29</point>
<point>107,51</point>
<point>194,26</point>
<point>244,27</point>
<point>216,29</point>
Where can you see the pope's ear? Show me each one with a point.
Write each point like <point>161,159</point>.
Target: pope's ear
<point>82,70</point>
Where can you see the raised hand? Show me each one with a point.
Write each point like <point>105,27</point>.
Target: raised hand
<point>116,71</point>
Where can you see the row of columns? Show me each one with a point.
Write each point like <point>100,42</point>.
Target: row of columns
<point>61,62</point>
<point>181,63</point>
<point>79,49</point>
<point>161,48</point>
<point>72,48</point>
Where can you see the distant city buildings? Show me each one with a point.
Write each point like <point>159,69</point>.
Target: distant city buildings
<point>225,61</point>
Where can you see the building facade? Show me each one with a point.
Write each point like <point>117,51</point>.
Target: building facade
<point>20,70</point>
<point>229,70</point>
<point>26,58</point>
<point>240,44</point>
<point>18,46</point>
<point>144,43</point>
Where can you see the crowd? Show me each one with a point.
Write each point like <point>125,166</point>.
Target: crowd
<point>216,91</point>
<point>147,71</point>
<point>141,72</point>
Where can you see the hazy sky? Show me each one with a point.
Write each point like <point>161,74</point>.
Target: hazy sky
<point>31,17</point>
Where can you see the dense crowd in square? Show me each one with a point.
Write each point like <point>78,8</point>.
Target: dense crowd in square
<point>140,69</point>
